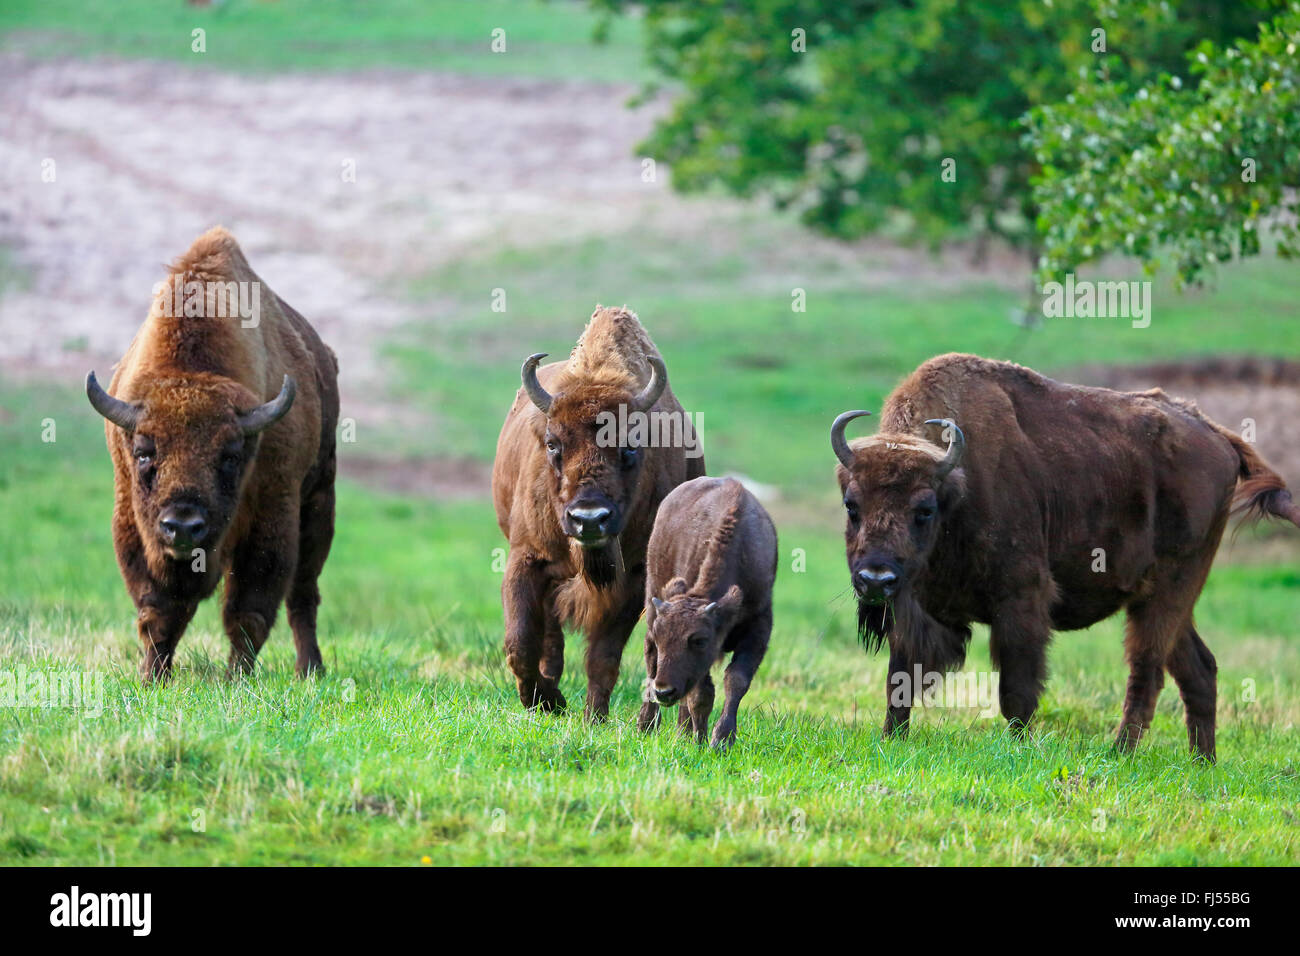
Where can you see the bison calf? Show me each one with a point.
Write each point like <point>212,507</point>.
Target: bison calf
<point>220,424</point>
<point>996,495</point>
<point>709,572</point>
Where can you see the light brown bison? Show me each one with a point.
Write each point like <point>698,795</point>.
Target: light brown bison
<point>1051,507</point>
<point>710,569</point>
<point>221,430</point>
<point>577,507</point>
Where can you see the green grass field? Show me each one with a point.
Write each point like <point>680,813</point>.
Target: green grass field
<point>413,748</point>
<point>542,39</point>
<point>414,745</point>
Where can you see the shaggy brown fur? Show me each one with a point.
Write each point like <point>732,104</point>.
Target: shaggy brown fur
<point>547,465</point>
<point>256,507</point>
<point>1068,504</point>
<point>711,564</point>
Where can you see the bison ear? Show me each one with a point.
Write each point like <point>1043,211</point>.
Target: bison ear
<point>727,604</point>
<point>952,489</point>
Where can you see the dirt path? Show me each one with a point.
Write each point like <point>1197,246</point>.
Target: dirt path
<point>148,155</point>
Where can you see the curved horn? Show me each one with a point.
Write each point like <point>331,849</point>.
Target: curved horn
<point>838,443</point>
<point>265,415</point>
<point>540,396</point>
<point>655,387</point>
<point>120,413</point>
<point>956,447</point>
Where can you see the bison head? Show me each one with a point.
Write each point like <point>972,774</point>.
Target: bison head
<point>897,489</point>
<point>190,444</point>
<point>686,632</point>
<point>595,480</point>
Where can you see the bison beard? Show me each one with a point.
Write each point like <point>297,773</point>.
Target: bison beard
<point>914,633</point>
<point>601,567</point>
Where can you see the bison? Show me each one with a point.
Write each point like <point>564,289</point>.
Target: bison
<point>1052,506</point>
<point>577,501</point>
<point>710,568</point>
<point>221,431</point>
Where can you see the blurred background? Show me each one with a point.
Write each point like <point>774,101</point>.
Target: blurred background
<point>389,165</point>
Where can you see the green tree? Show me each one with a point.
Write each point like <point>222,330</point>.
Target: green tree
<point>1172,174</point>
<point>867,113</point>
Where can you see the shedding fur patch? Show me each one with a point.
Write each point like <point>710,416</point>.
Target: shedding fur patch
<point>716,549</point>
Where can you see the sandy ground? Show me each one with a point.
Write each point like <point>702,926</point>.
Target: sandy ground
<point>148,155</point>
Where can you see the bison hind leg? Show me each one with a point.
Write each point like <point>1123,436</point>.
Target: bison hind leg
<point>1195,671</point>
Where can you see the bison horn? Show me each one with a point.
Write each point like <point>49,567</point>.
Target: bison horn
<point>838,443</point>
<point>956,447</point>
<point>120,413</point>
<point>267,414</point>
<point>540,396</point>
<point>655,387</point>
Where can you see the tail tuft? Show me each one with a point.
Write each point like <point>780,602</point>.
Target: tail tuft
<point>1261,492</point>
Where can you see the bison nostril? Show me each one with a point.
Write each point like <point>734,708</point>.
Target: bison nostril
<point>665,692</point>
<point>877,577</point>
<point>589,518</point>
<point>186,529</point>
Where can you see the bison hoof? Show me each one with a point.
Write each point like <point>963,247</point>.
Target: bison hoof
<point>552,703</point>
<point>723,737</point>
<point>648,718</point>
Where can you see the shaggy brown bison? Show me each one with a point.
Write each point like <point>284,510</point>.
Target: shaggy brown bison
<point>710,568</point>
<point>577,504</point>
<point>1051,507</point>
<point>221,430</point>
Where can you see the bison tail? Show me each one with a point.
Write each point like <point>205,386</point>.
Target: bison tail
<point>1261,491</point>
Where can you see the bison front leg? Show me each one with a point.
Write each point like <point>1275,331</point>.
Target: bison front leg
<point>701,708</point>
<point>1018,646</point>
<point>605,646</point>
<point>899,694</point>
<point>256,584</point>
<point>740,673</point>
<point>648,718</point>
<point>161,623</point>
<point>315,533</point>
<point>523,596</point>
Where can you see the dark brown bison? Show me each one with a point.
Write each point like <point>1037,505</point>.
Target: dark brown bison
<point>577,504</point>
<point>1052,506</point>
<point>221,430</point>
<point>710,568</point>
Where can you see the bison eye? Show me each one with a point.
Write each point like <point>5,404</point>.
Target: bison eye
<point>852,509</point>
<point>697,641</point>
<point>629,457</point>
<point>924,513</point>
